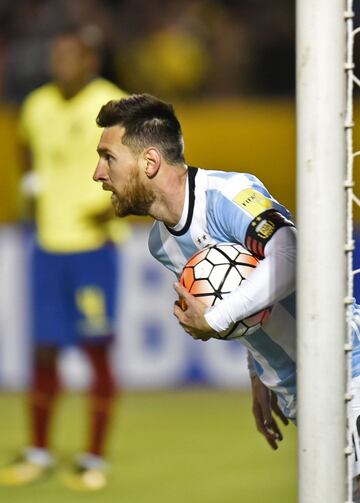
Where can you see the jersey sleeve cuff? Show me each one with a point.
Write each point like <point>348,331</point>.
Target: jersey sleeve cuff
<point>218,318</point>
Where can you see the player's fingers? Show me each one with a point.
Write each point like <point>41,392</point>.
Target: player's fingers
<point>272,441</point>
<point>178,312</point>
<point>276,409</point>
<point>182,292</point>
<point>181,317</point>
<point>265,405</point>
<point>273,426</point>
<point>194,334</point>
<point>270,436</point>
<point>266,412</point>
<point>201,337</point>
<point>259,418</point>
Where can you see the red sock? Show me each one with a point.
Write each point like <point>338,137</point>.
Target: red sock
<point>43,392</point>
<point>102,396</point>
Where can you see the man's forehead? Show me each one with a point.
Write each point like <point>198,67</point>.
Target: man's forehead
<point>111,136</point>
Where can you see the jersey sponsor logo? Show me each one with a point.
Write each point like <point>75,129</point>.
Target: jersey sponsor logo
<point>252,201</point>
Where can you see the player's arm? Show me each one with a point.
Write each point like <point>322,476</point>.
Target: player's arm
<point>29,180</point>
<point>265,408</point>
<point>271,281</point>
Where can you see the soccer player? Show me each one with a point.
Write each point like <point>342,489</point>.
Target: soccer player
<point>74,262</point>
<point>141,161</point>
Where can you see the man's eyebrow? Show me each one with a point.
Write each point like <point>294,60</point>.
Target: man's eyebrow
<point>102,150</point>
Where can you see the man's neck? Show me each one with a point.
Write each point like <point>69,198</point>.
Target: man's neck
<point>169,204</point>
<point>71,89</point>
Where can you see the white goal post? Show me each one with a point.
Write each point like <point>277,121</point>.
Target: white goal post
<point>321,278</point>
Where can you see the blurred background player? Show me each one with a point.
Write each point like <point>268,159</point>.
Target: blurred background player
<point>74,263</point>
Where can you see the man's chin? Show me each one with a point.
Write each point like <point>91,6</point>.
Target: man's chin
<point>120,211</point>
<point>124,211</point>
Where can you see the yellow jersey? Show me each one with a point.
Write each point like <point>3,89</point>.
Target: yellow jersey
<point>11,203</point>
<point>62,136</point>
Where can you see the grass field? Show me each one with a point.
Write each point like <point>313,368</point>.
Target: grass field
<point>192,446</point>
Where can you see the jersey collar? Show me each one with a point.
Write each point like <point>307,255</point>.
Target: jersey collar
<point>191,202</point>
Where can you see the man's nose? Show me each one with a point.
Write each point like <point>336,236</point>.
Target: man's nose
<point>99,173</point>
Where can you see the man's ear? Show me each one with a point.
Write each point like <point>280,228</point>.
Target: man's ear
<point>152,159</point>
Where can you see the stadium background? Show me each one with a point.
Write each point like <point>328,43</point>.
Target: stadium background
<point>229,69</point>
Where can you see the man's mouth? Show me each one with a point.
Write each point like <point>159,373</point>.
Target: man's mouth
<point>107,187</point>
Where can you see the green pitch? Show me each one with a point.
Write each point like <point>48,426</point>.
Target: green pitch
<point>192,446</point>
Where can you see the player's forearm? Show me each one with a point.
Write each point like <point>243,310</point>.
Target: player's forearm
<point>271,281</point>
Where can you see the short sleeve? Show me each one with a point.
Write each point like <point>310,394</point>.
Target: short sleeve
<point>249,216</point>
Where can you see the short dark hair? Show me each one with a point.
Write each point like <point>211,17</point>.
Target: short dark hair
<point>147,121</point>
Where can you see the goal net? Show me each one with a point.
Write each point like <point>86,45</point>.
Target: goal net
<point>325,198</point>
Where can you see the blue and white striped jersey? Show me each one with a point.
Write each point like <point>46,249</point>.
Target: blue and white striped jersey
<point>221,207</point>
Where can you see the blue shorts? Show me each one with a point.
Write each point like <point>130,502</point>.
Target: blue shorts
<point>74,296</point>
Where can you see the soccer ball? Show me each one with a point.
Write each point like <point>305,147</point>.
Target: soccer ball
<point>213,272</point>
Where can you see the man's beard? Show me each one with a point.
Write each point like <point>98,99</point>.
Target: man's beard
<point>134,199</point>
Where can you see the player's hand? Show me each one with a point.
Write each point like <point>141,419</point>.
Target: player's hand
<point>192,319</point>
<point>264,404</point>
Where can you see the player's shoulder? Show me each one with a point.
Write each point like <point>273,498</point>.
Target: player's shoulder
<point>235,193</point>
<point>105,89</point>
<point>40,95</point>
<point>229,183</point>
<point>38,101</point>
